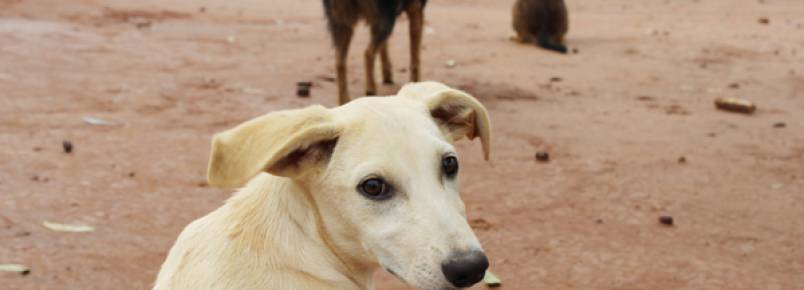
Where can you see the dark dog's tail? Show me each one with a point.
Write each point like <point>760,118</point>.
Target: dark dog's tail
<point>544,40</point>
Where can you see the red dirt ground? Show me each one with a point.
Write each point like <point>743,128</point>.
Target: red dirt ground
<point>616,118</point>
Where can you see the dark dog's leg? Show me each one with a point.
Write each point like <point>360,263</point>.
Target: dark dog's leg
<point>342,36</point>
<point>341,21</point>
<point>380,31</point>
<point>387,73</point>
<point>416,16</point>
<point>370,56</point>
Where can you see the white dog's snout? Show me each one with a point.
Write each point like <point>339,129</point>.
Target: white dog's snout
<point>456,231</point>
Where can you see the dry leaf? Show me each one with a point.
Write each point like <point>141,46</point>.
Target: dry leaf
<point>97,121</point>
<point>491,280</point>
<point>67,228</point>
<point>15,268</point>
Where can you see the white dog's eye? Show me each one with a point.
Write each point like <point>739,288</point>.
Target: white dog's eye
<point>450,165</point>
<point>375,188</point>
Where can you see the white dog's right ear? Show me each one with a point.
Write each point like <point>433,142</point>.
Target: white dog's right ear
<point>286,143</point>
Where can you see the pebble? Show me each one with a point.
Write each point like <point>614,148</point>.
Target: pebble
<point>303,89</point>
<point>666,220</point>
<point>542,156</point>
<point>68,146</point>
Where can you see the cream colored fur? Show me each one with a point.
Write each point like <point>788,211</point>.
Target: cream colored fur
<point>298,221</point>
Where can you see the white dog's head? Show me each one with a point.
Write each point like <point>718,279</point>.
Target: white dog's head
<point>382,173</point>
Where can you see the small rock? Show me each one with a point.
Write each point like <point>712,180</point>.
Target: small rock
<point>779,125</point>
<point>68,146</point>
<point>132,174</point>
<point>682,160</point>
<point>666,220</point>
<point>599,221</point>
<point>575,51</point>
<point>202,9</point>
<point>734,86</point>
<point>203,184</point>
<point>764,20</point>
<point>37,149</point>
<point>542,156</point>
<point>735,105</point>
<point>35,177</point>
<point>555,79</point>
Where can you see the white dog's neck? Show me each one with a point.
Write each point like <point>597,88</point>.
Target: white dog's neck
<point>275,218</point>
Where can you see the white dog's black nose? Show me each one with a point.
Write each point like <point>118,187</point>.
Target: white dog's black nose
<point>464,269</point>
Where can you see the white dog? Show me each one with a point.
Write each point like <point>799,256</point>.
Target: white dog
<point>331,195</point>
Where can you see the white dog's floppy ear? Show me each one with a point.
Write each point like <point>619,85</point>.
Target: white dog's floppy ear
<point>458,113</point>
<point>285,143</point>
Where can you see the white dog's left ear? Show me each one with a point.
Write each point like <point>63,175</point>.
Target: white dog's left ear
<point>286,143</point>
<point>456,112</point>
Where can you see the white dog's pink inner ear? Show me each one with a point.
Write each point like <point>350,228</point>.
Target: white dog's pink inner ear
<point>303,159</point>
<point>458,121</point>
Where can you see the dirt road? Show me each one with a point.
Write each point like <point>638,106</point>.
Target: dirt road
<point>616,118</point>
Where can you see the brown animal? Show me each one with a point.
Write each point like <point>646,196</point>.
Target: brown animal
<point>342,15</point>
<point>542,22</point>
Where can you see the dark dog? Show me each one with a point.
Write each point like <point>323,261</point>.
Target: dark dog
<point>342,15</point>
<point>543,22</point>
